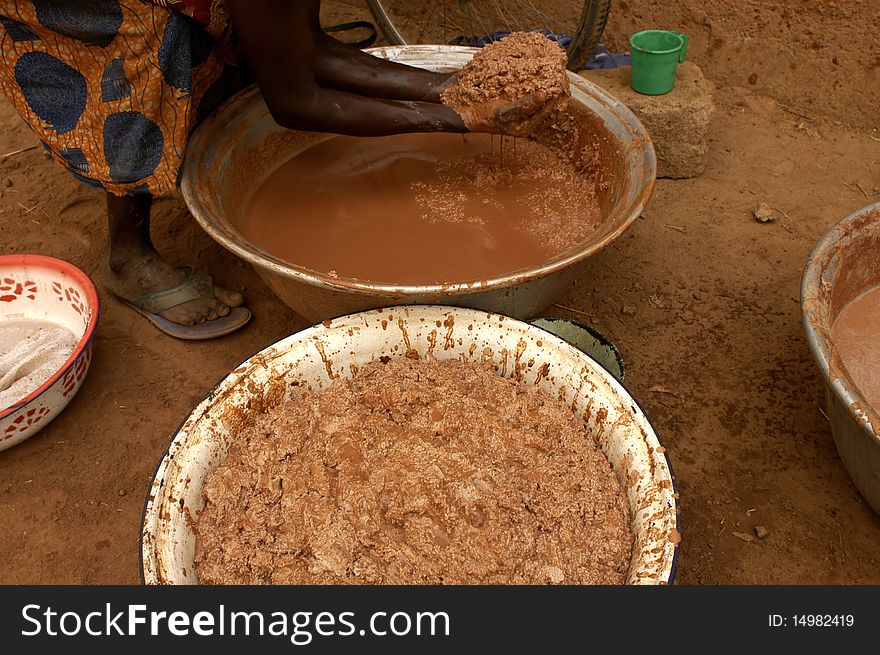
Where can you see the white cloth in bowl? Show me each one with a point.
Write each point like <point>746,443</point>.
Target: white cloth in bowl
<point>30,353</point>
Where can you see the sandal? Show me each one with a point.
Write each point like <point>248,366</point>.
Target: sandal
<point>196,285</point>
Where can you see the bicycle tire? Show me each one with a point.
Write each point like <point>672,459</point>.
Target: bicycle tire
<point>593,20</point>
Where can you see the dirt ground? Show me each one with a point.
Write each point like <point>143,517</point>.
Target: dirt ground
<point>715,351</point>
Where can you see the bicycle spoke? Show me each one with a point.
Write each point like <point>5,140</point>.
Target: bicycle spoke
<point>558,27</point>
<point>502,15</point>
<point>479,19</point>
<point>402,19</point>
<point>424,21</point>
<point>427,21</point>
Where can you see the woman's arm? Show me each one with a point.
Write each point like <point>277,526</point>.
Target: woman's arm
<point>342,66</point>
<point>282,39</point>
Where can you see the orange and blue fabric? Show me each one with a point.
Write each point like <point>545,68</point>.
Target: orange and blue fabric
<point>114,87</point>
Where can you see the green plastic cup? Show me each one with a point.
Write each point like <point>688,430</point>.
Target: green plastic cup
<point>655,58</point>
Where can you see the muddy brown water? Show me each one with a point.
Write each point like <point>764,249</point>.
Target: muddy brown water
<point>421,208</point>
<point>856,334</point>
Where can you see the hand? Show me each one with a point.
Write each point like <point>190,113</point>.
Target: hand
<point>515,118</point>
<point>310,81</point>
<point>443,82</point>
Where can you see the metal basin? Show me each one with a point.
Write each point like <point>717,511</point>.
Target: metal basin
<point>313,358</point>
<point>232,152</point>
<point>844,264</point>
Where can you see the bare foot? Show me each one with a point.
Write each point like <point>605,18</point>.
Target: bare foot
<point>134,272</point>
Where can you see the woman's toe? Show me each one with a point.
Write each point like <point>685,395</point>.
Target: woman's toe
<point>218,309</point>
<point>229,298</point>
<point>180,315</point>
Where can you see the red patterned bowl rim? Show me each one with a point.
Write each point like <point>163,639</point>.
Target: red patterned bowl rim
<point>94,305</point>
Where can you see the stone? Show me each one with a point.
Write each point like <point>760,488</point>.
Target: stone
<point>677,122</point>
<point>761,531</point>
<point>628,310</point>
<point>763,213</point>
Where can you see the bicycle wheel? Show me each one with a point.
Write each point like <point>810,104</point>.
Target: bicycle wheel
<point>581,22</point>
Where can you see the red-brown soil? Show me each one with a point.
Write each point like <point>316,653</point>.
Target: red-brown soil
<point>715,350</point>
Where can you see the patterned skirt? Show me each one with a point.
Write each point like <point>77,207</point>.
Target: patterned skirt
<point>114,87</point>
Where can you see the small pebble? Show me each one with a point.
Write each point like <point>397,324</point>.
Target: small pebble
<point>763,213</point>
<point>7,183</point>
<point>628,310</point>
<point>761,531</point>
<point>122,492</point>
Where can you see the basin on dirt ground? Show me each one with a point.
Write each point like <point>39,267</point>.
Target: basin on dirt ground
<point>313,358</point>
<point>845,263</point>
<point>232,152</point>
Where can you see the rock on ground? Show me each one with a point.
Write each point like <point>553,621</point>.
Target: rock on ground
<point>678,122</point>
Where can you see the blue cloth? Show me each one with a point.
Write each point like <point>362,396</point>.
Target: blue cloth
<point>603,58</point>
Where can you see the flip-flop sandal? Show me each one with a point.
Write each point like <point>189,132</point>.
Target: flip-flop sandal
<point>196,285</point>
